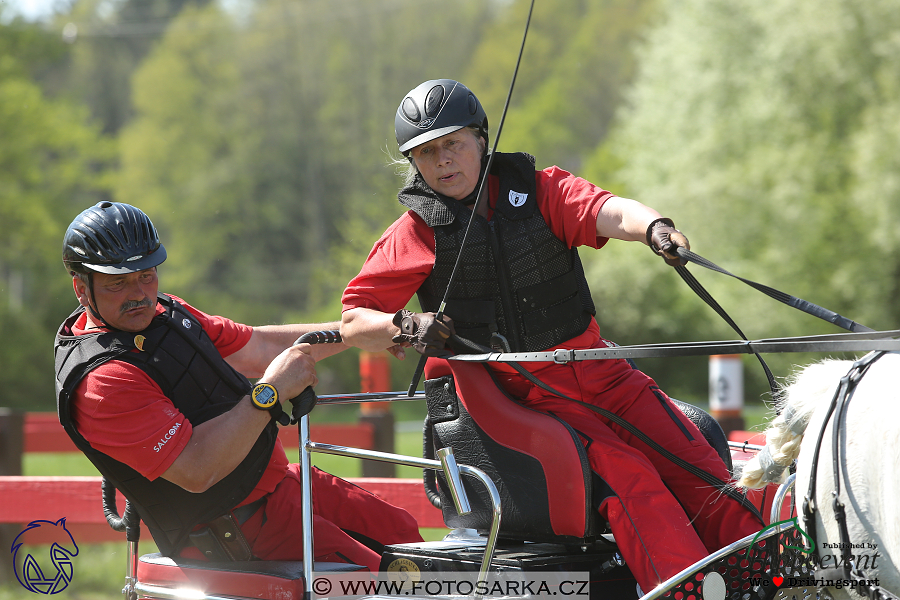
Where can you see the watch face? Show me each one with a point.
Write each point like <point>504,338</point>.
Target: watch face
<point>264,396</point>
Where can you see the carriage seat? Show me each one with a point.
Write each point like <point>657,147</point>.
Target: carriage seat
<point>536,461</point>
<point>238,579</point>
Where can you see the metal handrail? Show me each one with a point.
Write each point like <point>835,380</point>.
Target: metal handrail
<point>780,495</point>
<point>307,447</point>
<point>663,588</point>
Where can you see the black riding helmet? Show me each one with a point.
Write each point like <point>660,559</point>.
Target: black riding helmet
<point>113,238</point>
<point>435,108</point>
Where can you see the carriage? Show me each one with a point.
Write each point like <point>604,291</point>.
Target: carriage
<point>519,510</point>
<point>519,505</point>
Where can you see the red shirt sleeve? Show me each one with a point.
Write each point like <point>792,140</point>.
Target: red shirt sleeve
<point>123,413</point>
<point>396,267</point>
<point>570,206</point>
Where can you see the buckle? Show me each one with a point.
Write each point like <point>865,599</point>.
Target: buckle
<point>563,356</point>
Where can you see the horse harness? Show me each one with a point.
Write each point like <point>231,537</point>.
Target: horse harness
<point>848,569</point>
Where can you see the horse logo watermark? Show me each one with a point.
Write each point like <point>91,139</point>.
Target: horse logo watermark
<point>38,576</point>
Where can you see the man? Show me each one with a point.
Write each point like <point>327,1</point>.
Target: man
<point>520,287</point>
<point>155,393</point>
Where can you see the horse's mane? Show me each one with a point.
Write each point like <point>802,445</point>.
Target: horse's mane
<point>795,403</point>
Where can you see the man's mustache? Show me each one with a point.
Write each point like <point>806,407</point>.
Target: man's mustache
<point>129,304</point>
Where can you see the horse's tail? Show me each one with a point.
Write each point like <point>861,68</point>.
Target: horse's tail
<point>797,402</point>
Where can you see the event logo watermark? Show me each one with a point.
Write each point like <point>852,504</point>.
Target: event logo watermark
<point>821,559</point>
<point>48,573</point>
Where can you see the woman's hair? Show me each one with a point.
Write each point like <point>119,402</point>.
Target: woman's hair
<point>406,168</point>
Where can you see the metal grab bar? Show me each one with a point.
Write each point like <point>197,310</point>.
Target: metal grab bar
<point>307,447</point>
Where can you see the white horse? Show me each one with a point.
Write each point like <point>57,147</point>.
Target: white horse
<point>869,438</point>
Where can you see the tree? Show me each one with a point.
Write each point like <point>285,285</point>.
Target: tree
<point>110,40</point>
<point>578,59</point>
<point>768,133</point>
<point>258,146</point>
<point>53,165</point>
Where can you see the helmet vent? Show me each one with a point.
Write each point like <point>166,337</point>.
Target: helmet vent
<point>124,231</point>
<point>92,246</point>
<point>102,243</point>
<point>473,104</point>
<point>434,100</point>
<point>411,111</point>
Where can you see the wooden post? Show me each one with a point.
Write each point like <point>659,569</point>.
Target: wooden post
<point>726,391</point>
<point>12,425</point>
<point>375,376</point>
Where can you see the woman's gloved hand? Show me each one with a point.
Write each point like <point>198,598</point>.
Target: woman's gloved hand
<point>663,239</point>
<point>423,332</point>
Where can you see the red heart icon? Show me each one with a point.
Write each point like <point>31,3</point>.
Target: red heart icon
<point>778,580</point>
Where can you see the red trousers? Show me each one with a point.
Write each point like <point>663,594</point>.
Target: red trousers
<point>275,531</point>
<point>663,518</point>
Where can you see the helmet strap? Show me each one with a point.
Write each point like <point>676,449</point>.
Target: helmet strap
<point>92,304</point>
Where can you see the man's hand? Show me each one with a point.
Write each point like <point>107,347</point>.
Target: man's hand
<point>423,332</point>
<point>291,372</point>
<point>664,239</point>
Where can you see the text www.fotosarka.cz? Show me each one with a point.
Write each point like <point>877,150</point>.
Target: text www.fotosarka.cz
<point>412,582</point>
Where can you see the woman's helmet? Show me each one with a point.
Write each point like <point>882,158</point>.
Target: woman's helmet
<point>435,108</point>
<point>113,238</point>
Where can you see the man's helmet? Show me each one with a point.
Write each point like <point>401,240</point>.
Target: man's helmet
<point>436,108</point>
<point>112,238</point>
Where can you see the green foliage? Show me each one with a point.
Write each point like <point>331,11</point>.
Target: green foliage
<point>768,133</point>
<point>268,135</point>
<point>53,164</point>
<point>577,62</point>
<point>259,139</point>
<point>109,43</point>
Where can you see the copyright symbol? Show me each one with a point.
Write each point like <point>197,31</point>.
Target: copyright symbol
<point>321,586</point>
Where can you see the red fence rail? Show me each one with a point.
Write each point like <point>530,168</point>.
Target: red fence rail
<point>78,500</point>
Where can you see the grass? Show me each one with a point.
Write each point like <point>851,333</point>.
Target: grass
<point>99,569</point>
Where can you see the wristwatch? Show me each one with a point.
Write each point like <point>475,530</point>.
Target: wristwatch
<point>265,397</point>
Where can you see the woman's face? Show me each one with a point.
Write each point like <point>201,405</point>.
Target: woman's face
<point>451,163</point>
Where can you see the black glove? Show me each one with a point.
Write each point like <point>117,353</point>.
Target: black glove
<point>663,239</point>
<point>424,332</point>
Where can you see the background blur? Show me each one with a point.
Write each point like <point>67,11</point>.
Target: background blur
<point>257,136</point>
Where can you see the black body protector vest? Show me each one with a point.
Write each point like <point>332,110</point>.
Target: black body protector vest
<point>181,358</point>
<point>515,278</point>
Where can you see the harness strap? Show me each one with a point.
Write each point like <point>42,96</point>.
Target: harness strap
<point>706,297</point>
<point>836,342</point>
<point>839,402</point>
<point>792,301</point>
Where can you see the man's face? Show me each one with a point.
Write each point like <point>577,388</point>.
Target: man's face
<point>126,302</point>
<point>451,164</point>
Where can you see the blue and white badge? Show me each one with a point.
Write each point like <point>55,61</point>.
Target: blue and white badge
<point>186,323</point>
<point>517,198</point>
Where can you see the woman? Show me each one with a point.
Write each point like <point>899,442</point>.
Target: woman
<point>521,287</point>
